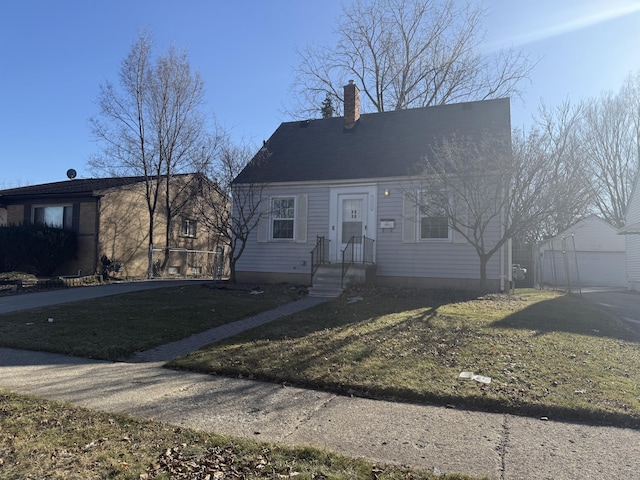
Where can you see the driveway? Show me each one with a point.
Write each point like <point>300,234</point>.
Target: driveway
<point>13,303</point>
<point>622,303</point>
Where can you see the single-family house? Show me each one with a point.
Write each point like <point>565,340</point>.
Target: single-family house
<point>111,220</point>
<point>589,253</point>
<point>631,233</point>
<point>335,192</point>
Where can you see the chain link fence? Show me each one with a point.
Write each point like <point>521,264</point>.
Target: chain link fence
<point>179,262</point>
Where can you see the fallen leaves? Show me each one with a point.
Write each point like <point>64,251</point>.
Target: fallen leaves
<point>215,463</point>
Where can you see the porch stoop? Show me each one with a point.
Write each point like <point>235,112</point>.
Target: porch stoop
<point>328,277</point>
<point>326,281</point>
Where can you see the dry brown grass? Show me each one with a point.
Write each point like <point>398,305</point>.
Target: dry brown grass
<point>54,440</point>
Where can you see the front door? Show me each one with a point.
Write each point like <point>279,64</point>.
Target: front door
<point>352,213</point>
<point>352,218</point>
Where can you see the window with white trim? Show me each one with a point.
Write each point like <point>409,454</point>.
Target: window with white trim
<point>434,223</point>
<point>283,218</point>
<point>59,216</point>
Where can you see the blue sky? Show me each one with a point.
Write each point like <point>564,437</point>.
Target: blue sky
<point>55,54</point>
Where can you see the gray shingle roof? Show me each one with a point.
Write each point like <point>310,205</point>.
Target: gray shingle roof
<point>84,186</point>
<point>389,144</point>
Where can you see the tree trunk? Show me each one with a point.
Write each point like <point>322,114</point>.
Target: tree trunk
<point>484,259</point>
<point>150,252</point>
<point>150,261</point>
<point>232,270</point>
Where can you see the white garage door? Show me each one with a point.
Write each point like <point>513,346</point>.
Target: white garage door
<point>602,269</point>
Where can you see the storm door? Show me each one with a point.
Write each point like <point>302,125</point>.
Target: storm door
<point>352,218</point>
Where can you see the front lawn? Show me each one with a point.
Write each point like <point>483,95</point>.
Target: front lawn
<point>547,354</point>
<point>116,327</point>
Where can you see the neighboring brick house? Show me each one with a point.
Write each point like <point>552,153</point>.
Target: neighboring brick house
<point>110,217</point>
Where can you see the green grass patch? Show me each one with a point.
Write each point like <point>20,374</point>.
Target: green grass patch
<point>49,439</point>
<point>116,327</point>
<point>547,354</point>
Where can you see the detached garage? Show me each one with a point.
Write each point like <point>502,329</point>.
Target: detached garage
<point>590,253</point>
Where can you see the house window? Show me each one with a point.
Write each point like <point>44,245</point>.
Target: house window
<point>59,216</point>
<point>283,215</point>
<point>434,224</point>
<point>188,228</point>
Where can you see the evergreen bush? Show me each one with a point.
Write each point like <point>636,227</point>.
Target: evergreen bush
<point>38,248</point>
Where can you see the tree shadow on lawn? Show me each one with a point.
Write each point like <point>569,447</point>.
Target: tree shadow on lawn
<point>419,315</point>
<point>356,324</point>
<point>355,327</point>
<point>360,307</point>
<point>568,314</point>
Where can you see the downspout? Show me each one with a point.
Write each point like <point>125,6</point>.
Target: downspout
<point>502,270</point>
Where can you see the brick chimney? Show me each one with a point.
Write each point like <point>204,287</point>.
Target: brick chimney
<point>351,105</point>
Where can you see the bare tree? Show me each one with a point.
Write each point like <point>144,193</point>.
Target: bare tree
<point>151,125</point>
<point>555,138</point>
<point>487,190</point>
<point>611,139</point>
<point>177,96</point>
<point>405,54</point>
<point>244,203</point>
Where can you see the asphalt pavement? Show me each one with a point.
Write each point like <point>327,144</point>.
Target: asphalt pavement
<point>446,440</point>
<point>625,304</point>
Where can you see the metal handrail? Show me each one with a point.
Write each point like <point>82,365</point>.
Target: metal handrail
<point>359,249</point>
<point>319,255</point>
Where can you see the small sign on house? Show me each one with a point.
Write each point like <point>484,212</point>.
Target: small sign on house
<point>387,223</point>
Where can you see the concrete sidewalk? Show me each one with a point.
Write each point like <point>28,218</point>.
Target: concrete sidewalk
<point>452,441</point>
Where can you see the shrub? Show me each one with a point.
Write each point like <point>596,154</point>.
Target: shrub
<point>40,247</point>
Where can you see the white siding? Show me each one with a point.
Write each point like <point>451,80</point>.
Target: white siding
<point>399,254</point>
<point>632,256</point>
<point>632,240</point>
<point>288,256</point>
<point>454,259</point>
<point>590,252</point>
<point>591,234</point>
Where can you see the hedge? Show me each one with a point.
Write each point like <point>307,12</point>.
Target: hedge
<point>38,249</point>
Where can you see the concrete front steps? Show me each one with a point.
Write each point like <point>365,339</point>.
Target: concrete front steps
<point>328,277</point>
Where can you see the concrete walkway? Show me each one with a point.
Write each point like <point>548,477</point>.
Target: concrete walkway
<point>448,440</point>
<point>179,348</point>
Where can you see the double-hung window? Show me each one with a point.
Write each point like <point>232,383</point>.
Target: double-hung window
<point>426,218</point>
<point>434,222</point>
<point>59,216</point>
<point>282,218</point>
